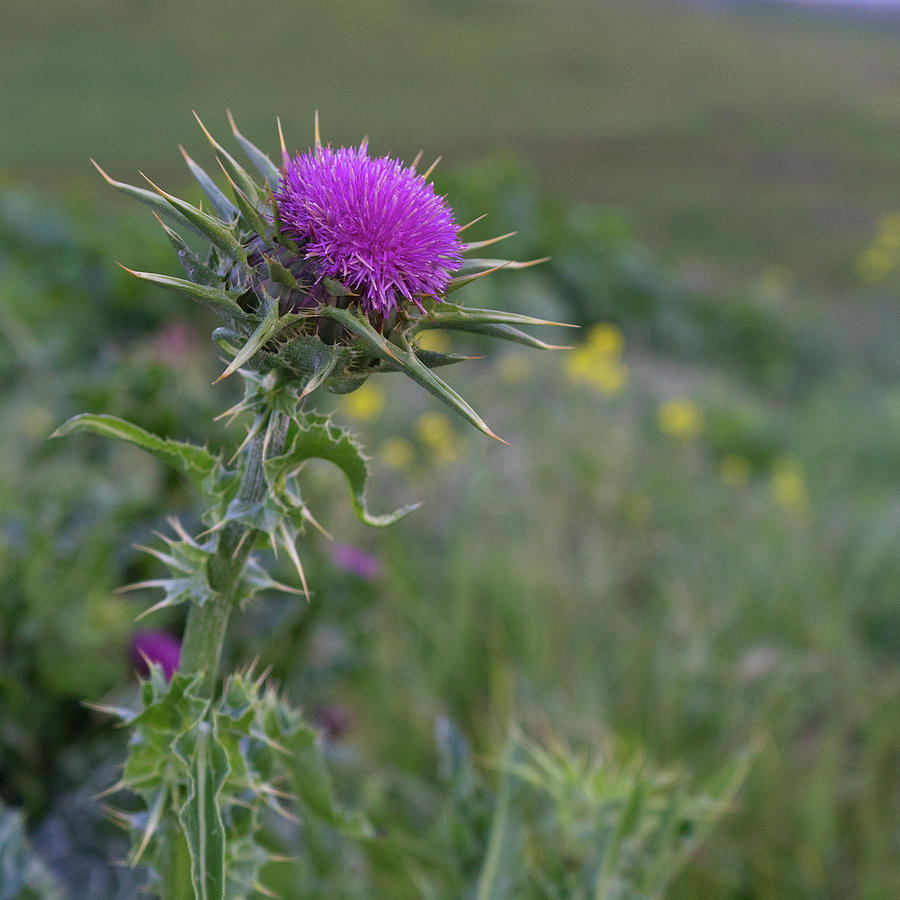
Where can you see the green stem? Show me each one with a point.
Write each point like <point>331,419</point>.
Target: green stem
<point>204,635</point>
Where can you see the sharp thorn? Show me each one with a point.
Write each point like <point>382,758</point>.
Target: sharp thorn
<point>477,245</point>
<point>462,228</point>
<point>431,168</point>
<point>284,152</point>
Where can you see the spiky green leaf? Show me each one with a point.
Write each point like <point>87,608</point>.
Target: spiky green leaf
<point>200,816</point>
<point>250,216</point>
<point>451,316</point>
<point>479,265</point>
<point>235,170</point>
<point>318,438</point>
<point>218,300</point>
<point>195,269</point>
<point>213,229</point>
<point>260,160</point>
<point>222,205</point>
<point>266,329</point>
<point>282,275</point>
<point>197,463</point>
<point>407,361</point>
<point>503,333</point>
<point>433,359</point>
<point>156,202</point>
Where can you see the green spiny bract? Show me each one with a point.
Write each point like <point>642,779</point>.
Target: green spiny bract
<point>218,766</point>
<point>283,315</point>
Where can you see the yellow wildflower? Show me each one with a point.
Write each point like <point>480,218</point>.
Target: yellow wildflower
<point>735,470</point>
<point>875,263</point>
<point>608,377</point>
<point>436,433</point>
<point>598,361</point>
<point>396,453</point>
<point>889,230</point>
<point>605,339</point>
<point>789,486</point>
<point>680,418</point>
<point>883,256</point>
<point>365,403</point>
<point>436,341</point>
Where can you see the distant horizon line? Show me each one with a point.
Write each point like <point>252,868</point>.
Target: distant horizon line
<point>876,4</point>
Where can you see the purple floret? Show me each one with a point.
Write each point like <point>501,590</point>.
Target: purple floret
<point>375,224</point>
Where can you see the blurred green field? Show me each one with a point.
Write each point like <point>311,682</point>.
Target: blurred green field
<point>743,137</point>
<point>692,552</point>
<point>692,544</point>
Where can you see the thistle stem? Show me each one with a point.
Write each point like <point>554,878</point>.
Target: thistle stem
<point>204,635</point>
<point>207,622</point>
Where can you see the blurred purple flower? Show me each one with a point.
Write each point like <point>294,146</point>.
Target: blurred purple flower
<point>334,721</point>
<point>376,224</point>
<point>158,647</point>
<point>357,562</point>
<point>173,342</point>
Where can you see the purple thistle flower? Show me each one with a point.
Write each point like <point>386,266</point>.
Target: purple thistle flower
<point>358,562</point>
<point>158,647</point>
<point>375,224</point>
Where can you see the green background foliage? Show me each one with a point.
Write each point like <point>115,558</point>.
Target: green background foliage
<point>598,579</point>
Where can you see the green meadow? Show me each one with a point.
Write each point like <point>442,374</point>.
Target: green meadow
<point>752,136</point>
<point>688,556</point>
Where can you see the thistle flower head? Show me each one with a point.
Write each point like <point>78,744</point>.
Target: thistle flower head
<point>375,224</point>
<point>307,264</point>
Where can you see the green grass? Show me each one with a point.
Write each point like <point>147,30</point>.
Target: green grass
<point>742,138</point>
<point>625,589</point>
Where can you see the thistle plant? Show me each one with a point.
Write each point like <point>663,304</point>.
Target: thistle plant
<point>325,271</point>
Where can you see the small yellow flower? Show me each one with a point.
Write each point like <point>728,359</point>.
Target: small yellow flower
<point>513,368</point>
<point>789,486</point>
<point>605,339</point>
<point>436,341</point>
<point>680,418</point>
<point>875,263</point>
<point>878,260</point>
<point>436,433</point>
<point>609,377</point>
<point>396,453</point>
<point>889,230</point>
<point>365,403</point>
<point>735,470</point>
<point>598,361</point>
